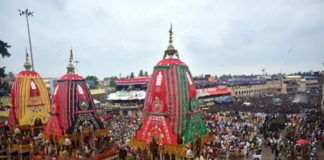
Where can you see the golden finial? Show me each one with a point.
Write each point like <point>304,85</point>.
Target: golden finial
<point>27,65</point>
<point>26,55</point>
<point>70,67</point>
<point>170,51</point>
<point>71,55</point>
<point>171,33</point>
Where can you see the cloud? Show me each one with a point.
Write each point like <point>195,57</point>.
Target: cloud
<point>216,37</point>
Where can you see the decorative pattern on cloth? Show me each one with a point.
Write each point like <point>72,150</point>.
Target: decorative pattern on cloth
<point>61,138</point>
<point>138,143</point>
<point>75,106</point>
<point>29,99</point>
<point>158,128</point>
<point>53,127</point>
<point>195,128</point>
<point>175,149</point>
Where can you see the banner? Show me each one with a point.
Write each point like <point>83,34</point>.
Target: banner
<point>212,91</point>
<point>132,81</point>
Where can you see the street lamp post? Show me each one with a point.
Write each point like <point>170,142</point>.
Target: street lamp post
<point>76,65</point>
<point>322,103</point>
<point>28,13</point>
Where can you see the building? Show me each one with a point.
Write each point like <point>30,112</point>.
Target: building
<point>210,95</point>
<point>129,97</point>
<point>247,87</point>
<point>248,90</point>
<point>291,84</point>
<point>99,94</point>
<point>273,87</point>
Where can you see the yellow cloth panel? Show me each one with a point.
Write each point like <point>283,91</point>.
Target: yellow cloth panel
<point>5,101</point>
<point>4,113</point>
<point>28,114</point>
<point>97,91</point>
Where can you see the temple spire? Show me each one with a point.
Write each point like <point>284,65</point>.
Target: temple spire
<point>170,51</point>
<point>70,67</point>
<point>71,56</point>
<point>27,65</point>
<point>171,33</point>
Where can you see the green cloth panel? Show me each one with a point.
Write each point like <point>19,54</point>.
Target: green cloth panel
<point>186,99</point>
<point>162,67</point>
<point>180,104</point>
<point>168,67</point>
<point>175,70</point>
<point>183,102</point>
<point>166,90</point>
<point>199,129</point>
<point>172,105</point>
<point>157,114</point>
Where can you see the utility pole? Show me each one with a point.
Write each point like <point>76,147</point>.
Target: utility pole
<point>322,103</point>
<point>76,65</point>
<point>28,13</point>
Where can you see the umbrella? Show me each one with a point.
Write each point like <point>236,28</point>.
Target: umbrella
<point>302,141</point>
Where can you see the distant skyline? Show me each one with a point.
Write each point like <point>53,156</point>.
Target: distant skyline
<point>124,36</point>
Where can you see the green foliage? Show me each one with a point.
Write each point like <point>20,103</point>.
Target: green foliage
<point>141,74</point>
<point>225,77</point>
<point>4,53</point>
<point>132,75</point>
<point>93,78</point>
<point>112,83</point>
<point>2,72</point>
<point>4,49</point>
<point>4,87</point>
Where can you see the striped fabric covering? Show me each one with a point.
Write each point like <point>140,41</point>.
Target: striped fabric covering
<point>172,84</point>
<point>74,105</point>
<point>29,99</point>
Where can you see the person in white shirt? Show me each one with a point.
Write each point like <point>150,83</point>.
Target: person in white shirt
<point>245,151</point>
<point>259,143</point>
<point>257,157</point>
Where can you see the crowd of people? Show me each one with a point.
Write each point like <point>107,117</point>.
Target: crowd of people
<point>83,147</point>
<point>266,104</point>
<point>236,135</point>
<point>303,132</point>
<point>244,131</point>
<point>289,130</point>
<point>294,130</point>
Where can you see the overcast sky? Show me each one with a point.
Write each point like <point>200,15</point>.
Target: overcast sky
<point>212,37</point>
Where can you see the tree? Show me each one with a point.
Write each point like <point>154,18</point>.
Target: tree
<point>4,49</point>
<point>4,53</point>
<point>145,74</point>
<point>141,73</point>
<point>94,79</point>
<point>132,75</point>
<point>4,87</point>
